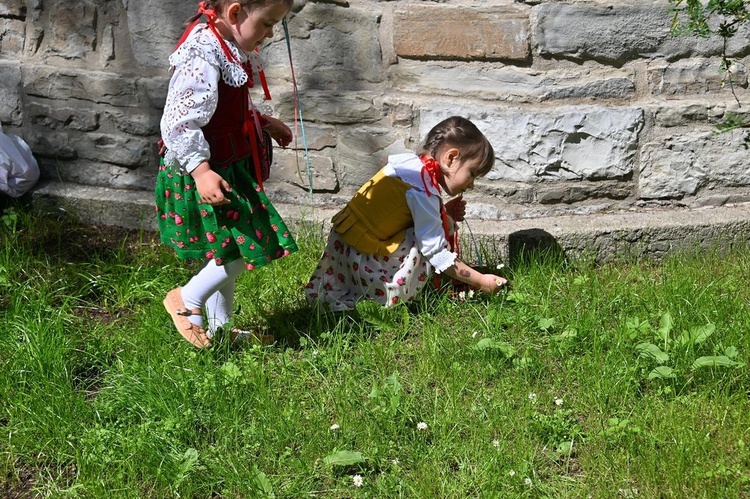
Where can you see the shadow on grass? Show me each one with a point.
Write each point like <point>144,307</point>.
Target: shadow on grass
<point>61,237</point>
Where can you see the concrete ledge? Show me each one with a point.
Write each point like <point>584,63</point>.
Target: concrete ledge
<point>633,234</point>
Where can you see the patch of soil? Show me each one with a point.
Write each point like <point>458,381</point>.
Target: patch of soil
<point>18,487</point>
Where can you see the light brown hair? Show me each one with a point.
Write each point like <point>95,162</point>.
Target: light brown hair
<point>462,134</point>
<point>218,5</point>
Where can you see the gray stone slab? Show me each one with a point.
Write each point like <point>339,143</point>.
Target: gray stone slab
<point>603,237</point>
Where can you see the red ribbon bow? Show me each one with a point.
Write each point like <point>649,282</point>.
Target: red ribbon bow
<point>431,172</point>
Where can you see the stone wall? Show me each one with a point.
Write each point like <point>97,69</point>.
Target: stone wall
<point>591,106</point>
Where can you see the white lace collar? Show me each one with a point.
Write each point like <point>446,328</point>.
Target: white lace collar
<point>408,167</point>
<point>202,43</point>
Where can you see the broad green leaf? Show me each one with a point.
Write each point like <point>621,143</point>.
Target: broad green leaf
<point>516,297</point>
<point>189,459</point>
<point>263,484</point>
<point>696,335</point>
<point>702,333</point>
<point>661,372</point>
<point>665,326</point>
<point>492,344</point>
<point>635,325</point>
<point>230,370</point>
<point>376,314</point>
<point>343,458</point>
<point>731,352</point>
<point>581,279</point>
<point>546,323</point>
<point>715,361</point>
<point>651,351</point>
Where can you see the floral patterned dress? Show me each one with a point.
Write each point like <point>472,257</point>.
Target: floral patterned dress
<point>248,227</point>
<point>345,276</point>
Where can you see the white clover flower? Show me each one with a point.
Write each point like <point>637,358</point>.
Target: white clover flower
<point>395,462</point>
<point>421,426</point>
<point>532,397</point>
<point>471,293</point>
<point>474,334</point>
<point>335,427</point>
<point>462,295</point>
<point>527,481</point>
<point>558,401</point>
<point>315,353</point>
<point>496,443</point>
<point>500,266</point>
<point>358,481</point>
<point>512,473</point>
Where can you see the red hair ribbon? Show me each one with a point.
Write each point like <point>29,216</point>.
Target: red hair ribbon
<point>431,172</point>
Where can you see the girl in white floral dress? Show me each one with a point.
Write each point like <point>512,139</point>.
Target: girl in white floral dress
<point>209,192</point>
<point>386,242</point>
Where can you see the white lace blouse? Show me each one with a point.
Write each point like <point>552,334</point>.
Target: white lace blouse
<point>194,94</point>
<point>425,210</point>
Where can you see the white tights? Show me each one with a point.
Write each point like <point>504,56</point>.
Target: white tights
<point>212,288</point>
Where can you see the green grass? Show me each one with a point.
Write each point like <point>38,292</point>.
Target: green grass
<point>543,391</point>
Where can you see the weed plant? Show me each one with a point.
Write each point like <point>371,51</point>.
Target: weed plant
<point>549,389</point>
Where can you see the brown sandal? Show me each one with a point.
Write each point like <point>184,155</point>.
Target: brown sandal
<point>193,333</point>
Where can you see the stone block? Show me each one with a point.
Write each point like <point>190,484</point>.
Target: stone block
<point>688,164</point>
<point>333,48</point>
<point>461,32</point>
<point>71,33</point>
<point>118,149</point>
<point>509,83</point>
<point>94,173</point>
<point>694,76</point>
<point>332,107</point>
<point>51,144</point>
<point>579,192</point>
<point>60,84</point>
<point>570,143</point>
<point>13,8</point>
<point>400,112</point>
<point>363,151</point>
<point>618,34</point>
<point>10,94</point>
<point>291,168</point>
<point>54,116</point>
<point>154,91</point>
<point>318,136</point>
<point>100,205</point>
<point>143,123</point>
<point>12,34</point>
<point>155,28</point>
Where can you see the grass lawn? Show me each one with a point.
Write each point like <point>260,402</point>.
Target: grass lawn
<point>623,380</point>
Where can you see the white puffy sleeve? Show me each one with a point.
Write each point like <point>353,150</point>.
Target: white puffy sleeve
<point>191,102</point>
<point>428,229</point>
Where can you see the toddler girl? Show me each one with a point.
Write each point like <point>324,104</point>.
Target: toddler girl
<point>387,240</point>
<point>217,151</point>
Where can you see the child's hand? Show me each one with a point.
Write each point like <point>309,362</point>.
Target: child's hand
<point>456,208</point>
<point>278,131</point>
<point>492,283</point>
<point>210,185</point>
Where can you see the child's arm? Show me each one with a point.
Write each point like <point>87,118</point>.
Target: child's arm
<point>456,208</point>
<point>211,187</point>
<point>487,283</point>
<point>278,130</point>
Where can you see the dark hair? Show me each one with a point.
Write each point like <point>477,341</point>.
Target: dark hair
<point>218,5</point>
<point>462,134</point>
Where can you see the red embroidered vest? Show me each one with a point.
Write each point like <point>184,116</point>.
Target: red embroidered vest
<point>224,131</point>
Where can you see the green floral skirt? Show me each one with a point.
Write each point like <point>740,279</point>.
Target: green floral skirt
<point>248,227</point>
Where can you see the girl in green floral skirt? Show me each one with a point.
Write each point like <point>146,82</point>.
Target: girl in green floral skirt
<point>217,151</point>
